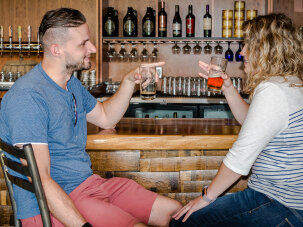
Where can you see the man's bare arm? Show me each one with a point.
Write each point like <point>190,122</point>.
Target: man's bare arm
<point>59,203</point>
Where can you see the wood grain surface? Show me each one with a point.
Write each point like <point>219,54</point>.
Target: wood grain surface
<point>166,133</point>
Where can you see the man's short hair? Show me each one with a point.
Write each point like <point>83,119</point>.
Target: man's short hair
<point>60,18</point>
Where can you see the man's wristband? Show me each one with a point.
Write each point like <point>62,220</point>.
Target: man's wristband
<point>87,224</point>
<point>204,196</point>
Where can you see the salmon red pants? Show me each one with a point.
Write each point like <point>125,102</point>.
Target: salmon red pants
<point>114,202</point>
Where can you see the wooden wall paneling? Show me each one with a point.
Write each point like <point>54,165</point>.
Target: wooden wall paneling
<point>6,215</point>
<point>115,161</point>
<point>2,184</point>
<point>180,163</point>
<point>183,198</point>
<point>181,153</point>
<point>215,152</point>
<point>193,186</point>
<point>198,175</point>
<point>287,7</point>
<point>170,153</point>
<point>2,93</point>
<point>197,186</point>
<point>160,182</point>
<point>4,198</point>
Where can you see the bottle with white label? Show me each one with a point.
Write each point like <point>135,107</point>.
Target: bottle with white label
<point>177,23</point>
<point>207,23</point>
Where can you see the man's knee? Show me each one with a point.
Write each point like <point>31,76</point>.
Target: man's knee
<point>171,207</point>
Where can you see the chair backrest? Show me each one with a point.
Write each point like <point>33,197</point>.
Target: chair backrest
<point>30,171</point>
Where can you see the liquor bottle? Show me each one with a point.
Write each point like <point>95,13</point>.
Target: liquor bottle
<point>190,22</point>
<point>148,23</point>
<point>239,57</point>
<point>207,23</point>
<point>116,31</point>
<point>162,29</point>
<point>229,54</point>
<point>177,23</point>
<point>130,23</point>
<point>110,27</point>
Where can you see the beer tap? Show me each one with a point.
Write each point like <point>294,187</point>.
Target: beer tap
<point>20,40</point>
<point>29,34</point>
<point>10,35</point>
<point>1,39</point>
<point>38,41</point>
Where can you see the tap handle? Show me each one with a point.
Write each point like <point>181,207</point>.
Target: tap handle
<point>19,32</point>
<point>29,32</point>
<point>38,38</point>
<point>10,31</point>
<point>1,32</point>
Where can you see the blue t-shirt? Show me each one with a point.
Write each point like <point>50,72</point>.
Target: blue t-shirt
<point>37,110</point>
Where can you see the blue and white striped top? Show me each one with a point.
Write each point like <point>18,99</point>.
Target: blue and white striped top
<point>271,143</point>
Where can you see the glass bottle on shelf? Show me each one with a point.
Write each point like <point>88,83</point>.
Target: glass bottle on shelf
<point>130,23</point>
<point>190,22</point>
<point>207,23</point>
<point>162,24</point>
<point>229,54</point>
<point>148,23</point>
<point>177,23</point>
<point>111,23</point>
<point>116,32</point>
<point>239,57</point>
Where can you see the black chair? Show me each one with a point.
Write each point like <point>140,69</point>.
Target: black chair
<point>30,170</point>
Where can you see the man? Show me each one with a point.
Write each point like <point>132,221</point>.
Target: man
<point>49,109</point>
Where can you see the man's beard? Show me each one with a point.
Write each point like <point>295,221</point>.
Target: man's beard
<point>75,66</point>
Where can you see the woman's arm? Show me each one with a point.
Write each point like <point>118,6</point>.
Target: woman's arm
<point>267,117</point>
<point>236,103</point>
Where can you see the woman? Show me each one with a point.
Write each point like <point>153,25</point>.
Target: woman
<point>270,143</point>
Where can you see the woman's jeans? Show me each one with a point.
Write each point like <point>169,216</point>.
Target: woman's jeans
<point>245,208</point>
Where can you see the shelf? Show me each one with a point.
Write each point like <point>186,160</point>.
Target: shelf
<point>162,40</point>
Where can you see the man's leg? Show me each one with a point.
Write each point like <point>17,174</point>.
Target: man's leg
<point>162,210</point>
<point>146,206</point>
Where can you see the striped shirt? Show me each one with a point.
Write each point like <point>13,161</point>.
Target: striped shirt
<point>270,143</point>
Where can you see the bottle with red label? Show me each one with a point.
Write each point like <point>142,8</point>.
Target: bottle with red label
<point>190,22</point>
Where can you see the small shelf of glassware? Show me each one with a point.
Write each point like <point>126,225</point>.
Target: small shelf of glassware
<point>179,45</point>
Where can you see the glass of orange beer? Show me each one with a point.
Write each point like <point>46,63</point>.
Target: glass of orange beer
<point>217,66</point>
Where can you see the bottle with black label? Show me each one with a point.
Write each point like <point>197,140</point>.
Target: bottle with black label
<point>207,23</point>
<point>110,26</point>
<point>190,22</point>
<point>162,28</point>
<point>130,23</point>
<point>148,23</point>
<point>177,23</point>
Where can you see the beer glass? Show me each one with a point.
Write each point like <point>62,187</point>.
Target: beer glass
<point>216,68</point>
<point>148,82</point>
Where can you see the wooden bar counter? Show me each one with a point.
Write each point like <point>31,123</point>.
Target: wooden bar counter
<point>174,157</point>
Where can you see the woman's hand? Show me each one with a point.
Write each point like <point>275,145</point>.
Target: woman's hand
<point>227,83</point>
<point>190,208</point>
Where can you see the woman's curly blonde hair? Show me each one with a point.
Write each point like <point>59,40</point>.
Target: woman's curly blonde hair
<point>274,48</point>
